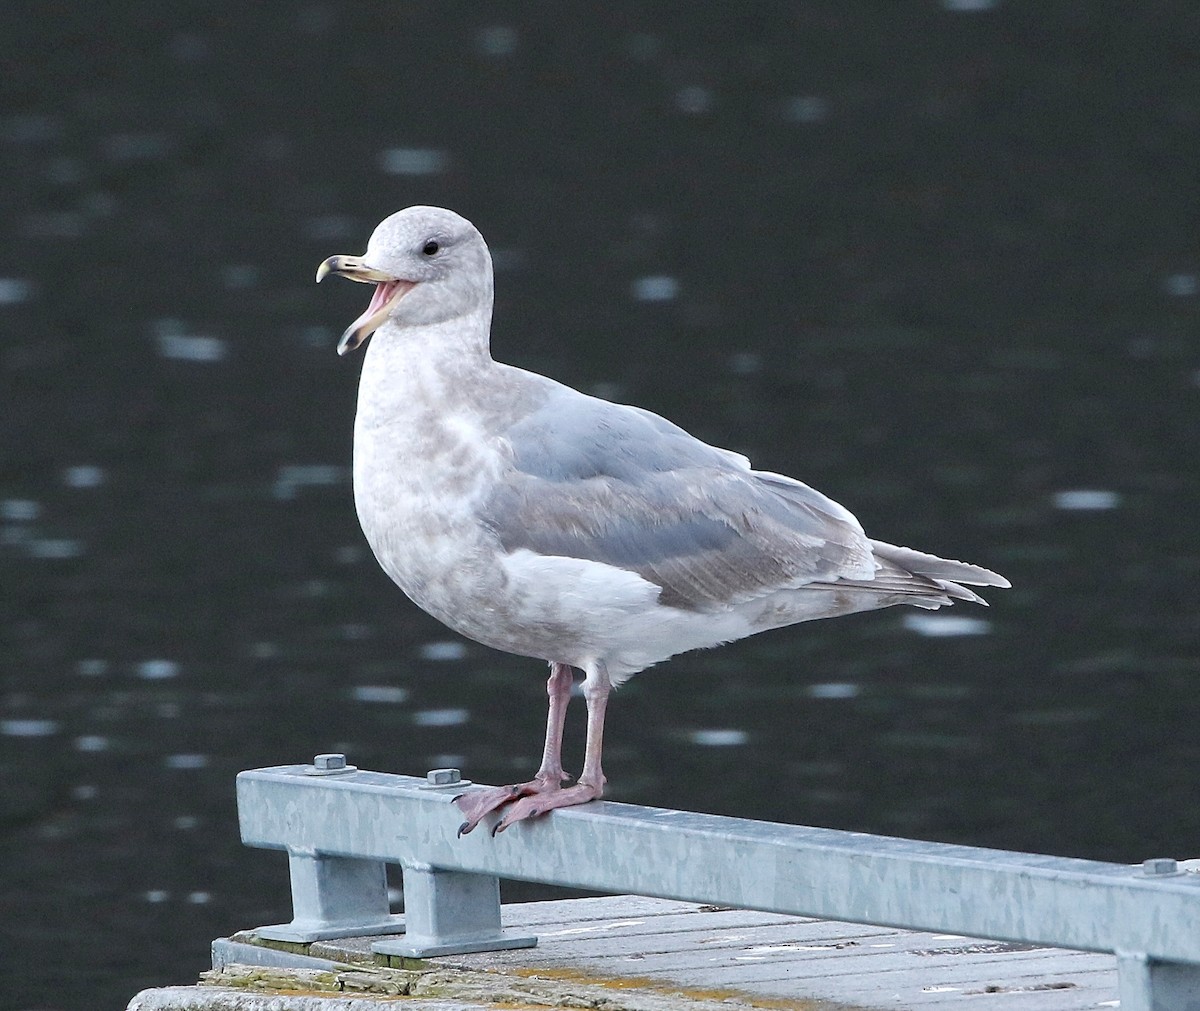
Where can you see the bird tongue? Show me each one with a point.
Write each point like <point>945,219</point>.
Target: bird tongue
<point>383,291</point>
<point>387,293</point>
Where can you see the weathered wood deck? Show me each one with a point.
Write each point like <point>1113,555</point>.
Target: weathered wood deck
<point>782,957</point>
<point>641,954</point>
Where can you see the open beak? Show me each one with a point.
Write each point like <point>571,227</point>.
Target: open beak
<point>388,292</point>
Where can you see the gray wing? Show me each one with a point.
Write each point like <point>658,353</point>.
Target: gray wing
<point>622,486</point>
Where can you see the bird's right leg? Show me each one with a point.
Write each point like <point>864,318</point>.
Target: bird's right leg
<point>550,774</point>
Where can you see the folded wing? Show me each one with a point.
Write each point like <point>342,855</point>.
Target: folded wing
<point>622,486</point>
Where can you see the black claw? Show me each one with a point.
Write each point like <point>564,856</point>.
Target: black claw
<point>455,800</point>
<point>535,812</point>
<point>496,828</point>
<point>463,829</point>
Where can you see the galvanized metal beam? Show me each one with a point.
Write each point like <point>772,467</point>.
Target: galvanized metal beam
<point>1149,914</point>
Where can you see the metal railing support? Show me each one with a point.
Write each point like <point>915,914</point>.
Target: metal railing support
<point>335,897</point>
<point>450,913</point>
<point>1146,984</point>
<point>341,829</point>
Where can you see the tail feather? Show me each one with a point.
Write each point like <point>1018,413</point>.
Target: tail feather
<point>915,578</point>
<point>940,570</point>
<point>956,591</point>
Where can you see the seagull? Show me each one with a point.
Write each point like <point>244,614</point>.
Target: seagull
<point>544,522</point>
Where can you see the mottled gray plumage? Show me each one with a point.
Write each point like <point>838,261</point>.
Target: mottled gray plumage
<point>622,486</point>
<point>539,520</point>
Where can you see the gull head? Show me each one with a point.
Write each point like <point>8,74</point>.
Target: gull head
<point>428,265</point>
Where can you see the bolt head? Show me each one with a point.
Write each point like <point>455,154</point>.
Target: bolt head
<point>328,763</point>
<point>1158,866</point>
<point>443,777</point>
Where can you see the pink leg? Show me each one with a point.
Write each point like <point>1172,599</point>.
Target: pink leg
<point>591,783</point>
<point>595,693</point>
<point>550,775</point>
<point>558,688</point>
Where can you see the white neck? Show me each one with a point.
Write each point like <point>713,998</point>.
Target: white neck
<point>404,361</point>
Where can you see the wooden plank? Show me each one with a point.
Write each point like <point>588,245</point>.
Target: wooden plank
<point>795,958</point>
<point>624,907</point>
<point>618,938</point>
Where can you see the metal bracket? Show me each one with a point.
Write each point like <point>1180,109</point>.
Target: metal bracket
<point>335,897</point>
<point>450,913</point>
<point>1147,984</point>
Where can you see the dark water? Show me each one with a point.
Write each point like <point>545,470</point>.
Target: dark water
<point>937,259</point>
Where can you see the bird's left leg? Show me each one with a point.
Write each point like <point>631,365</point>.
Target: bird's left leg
<point>590,786</point>
<point>550,775</point>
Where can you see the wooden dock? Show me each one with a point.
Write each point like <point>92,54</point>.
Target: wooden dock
<point>629,953</point>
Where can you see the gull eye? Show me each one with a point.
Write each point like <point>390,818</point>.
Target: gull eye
<point>430,248</point>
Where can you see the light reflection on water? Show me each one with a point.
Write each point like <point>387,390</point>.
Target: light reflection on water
<point>28,728</point>
<point>156,670</point>
<point>935,624</point>
<point>20,509</point>
<point>444,651</point>
<point>54,548</point>
<point>834,690</point>
<point>1086,499</point>
<point>14,290</point>
<point>186,761</point>
<point>175,342</point>
<point>440,717</point>
<point>387,694</point>
<point>718,738</point>
<point>83,476</point>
